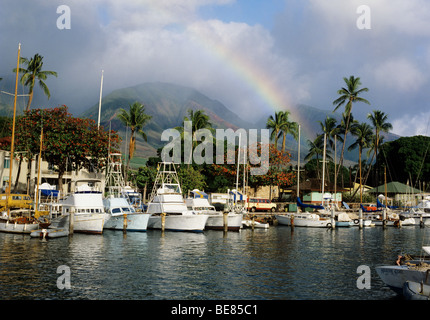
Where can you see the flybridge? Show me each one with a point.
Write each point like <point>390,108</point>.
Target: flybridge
<point>257,153</point>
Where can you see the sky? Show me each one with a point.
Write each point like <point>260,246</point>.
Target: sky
<point>253,56</point>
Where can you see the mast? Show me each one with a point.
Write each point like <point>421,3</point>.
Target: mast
<point>38,172</point>
<point>100,100</point>
<point>298,171</point>
<point>237,173</point>
<point>323,173</point>
<point>12,146</point>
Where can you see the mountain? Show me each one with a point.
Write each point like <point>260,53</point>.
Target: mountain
<point>169,103</point>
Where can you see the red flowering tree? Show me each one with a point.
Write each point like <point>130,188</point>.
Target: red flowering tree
<point>68,143</point>
<point>277,175</point>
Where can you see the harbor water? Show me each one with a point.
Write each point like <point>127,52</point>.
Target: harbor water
<point>272,264</point>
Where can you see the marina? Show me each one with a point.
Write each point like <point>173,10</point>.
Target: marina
<point>276,263</point>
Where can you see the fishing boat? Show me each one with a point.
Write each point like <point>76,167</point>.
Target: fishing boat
<point>120,213</point>
<point>199,203</point>
<point>85,205</point>
<point>15,214</point>
<point>167,206</point>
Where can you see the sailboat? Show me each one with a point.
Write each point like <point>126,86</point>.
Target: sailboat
<point>120,214</point>
<point>15,208</point>
<point>303,219</point>
<point>167,206</point>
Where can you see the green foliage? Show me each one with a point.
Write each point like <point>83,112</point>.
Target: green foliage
<point>406,157</point>
<point>191,178</point>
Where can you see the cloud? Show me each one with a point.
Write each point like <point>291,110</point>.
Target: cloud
<point>247,66</point>
<point>412,124</point>
<point>399,74</point>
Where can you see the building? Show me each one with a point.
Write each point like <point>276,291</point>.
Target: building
<point>402,194</point>
<point>48,174</point>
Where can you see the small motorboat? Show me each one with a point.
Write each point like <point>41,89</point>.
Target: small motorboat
<point>247,223</point>
<point>49,233</point>
<point>416,291</point>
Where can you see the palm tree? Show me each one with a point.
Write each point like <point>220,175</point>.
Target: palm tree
<point>316,149</point>
<point>275,124</point>
<point>32,73</point>
<point>364,135</point>
<point>288,127</point>
<point>199,120</point>
<point>348,96</point>
<point>136,119</point>
<point>379,122</point>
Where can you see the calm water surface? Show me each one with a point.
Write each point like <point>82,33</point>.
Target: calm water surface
<point>306,264</point>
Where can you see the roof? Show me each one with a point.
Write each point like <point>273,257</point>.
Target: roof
<point>394,187</point>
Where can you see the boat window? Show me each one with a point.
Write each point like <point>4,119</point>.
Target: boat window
<point>116,210</point>
<point>125,209</point>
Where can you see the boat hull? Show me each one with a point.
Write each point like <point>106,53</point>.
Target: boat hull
<point>82,223</point>
<point>135,222</point>
<point>416,291</point>
<point>25,228</point>
<point>49,233</point>
<point>194,223</point>
<point>395,276</point>
<point>216,222</point>
<point>299,221</point>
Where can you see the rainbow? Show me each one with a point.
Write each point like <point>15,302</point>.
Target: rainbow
<point>257,79</point>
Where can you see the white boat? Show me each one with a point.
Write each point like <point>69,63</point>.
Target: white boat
<point>304,219</point>
<point>247,223</point>
<point>395,276</point>
<point>419,216</point>
<point>393,219</point>
<point>50,233</point>
<point>121,215</point>
<point>200,204</point>
<point>86,204</point>
<point>167,206</point>
<point>20,224</point>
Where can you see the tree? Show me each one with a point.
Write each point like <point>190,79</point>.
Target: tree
<point>32,73</point>
<point>406,158</point>
<point>275,124</point>
<point>348,96</point>
<point>288,127</point>
<point>136,119</point>
<point>69,143</point>
<point>199,120</point>
<point>316,149</point>
<point>379,122</point>
<point>364,135</point>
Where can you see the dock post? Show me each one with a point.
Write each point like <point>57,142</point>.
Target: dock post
<point>292,221</point>
<point>333,222</point>
<point>384,217</point>
<point>71,221</point>
<point>360,218</point>
<point>225,221</point>
<point>163,221</point>
<point>124,227</point>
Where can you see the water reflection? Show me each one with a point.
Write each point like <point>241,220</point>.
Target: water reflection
<point>261,264</point>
